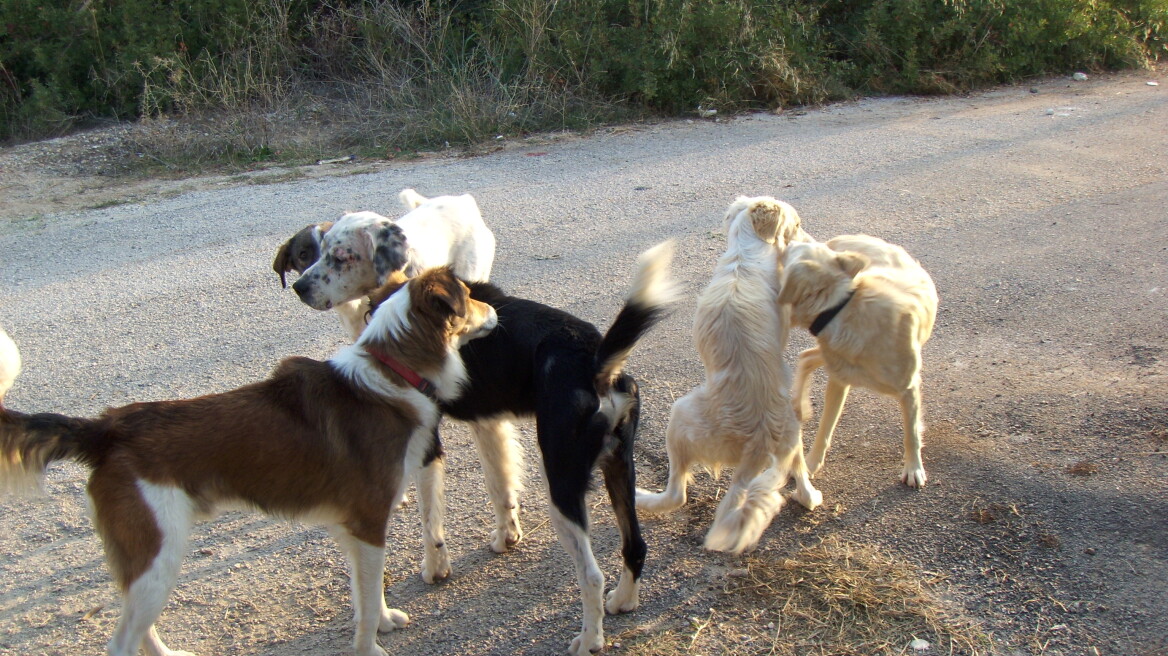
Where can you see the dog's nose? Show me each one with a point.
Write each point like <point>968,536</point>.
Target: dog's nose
<point>300,287</point>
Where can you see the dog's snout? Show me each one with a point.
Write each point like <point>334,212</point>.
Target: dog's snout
<point>300,287</point>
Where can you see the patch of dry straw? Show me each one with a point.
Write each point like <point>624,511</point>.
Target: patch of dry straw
<point>836,598</point>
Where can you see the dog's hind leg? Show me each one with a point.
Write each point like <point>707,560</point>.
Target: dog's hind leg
<point>750,503</point>
<point>910,410</point>
<point>157,514</point>
<point>571,439</point>
<point>574,538</point>
<point>834,396</point>
<point>685,432</point>
<point>501,458</point>
<point>809,361</point>
<point>431,483</point>
<point>620,480</point>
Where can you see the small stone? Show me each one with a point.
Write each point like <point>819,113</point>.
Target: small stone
<point>1090,551</point>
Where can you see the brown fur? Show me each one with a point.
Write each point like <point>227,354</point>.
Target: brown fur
<point>307,442</point>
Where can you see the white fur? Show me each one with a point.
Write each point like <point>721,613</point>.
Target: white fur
<point>875,341</point>
<point>501,456</point>
<point>440,231</point>
<point>174,513</point>
<point>741,415</point>
<point>9,363</point>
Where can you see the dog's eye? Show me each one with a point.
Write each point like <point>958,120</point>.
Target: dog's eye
<point>303,255</point>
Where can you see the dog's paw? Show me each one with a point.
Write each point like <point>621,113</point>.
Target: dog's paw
<point>657,503</point>
<point>914,476</point>
<point>436,568</point>
<point>504,539</point>
<point>623,598</point>
<point>588,642</point>
<point>392,619</point>
<point>810,498</point>
<point>375,650</point>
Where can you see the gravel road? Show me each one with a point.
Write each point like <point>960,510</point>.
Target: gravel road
<point>1040,210</point>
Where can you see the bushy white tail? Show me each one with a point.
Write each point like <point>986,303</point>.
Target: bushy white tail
<point>411,199</point>
<point>747,510</point>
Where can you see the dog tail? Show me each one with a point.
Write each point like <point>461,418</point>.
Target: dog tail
<point>411,199</point>
<point>644,307</point>
<point>29,443</point>
<point>747,511</point>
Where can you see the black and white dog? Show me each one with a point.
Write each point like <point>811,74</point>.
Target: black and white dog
<point>545,363</point>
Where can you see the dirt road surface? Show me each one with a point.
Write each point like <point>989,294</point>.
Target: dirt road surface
<point>1041,211</point>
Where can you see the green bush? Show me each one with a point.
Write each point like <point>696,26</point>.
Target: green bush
<point>383,75</point>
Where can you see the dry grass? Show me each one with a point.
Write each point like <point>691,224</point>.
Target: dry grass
<point>836,598</point>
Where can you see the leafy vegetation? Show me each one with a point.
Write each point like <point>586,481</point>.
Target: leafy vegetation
<point>256,80</point>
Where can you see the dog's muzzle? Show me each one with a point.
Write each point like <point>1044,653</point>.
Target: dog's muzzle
<point>307,293</point>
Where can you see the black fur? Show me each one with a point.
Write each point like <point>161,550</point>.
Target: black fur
<point>542,362</point>
<point>392,252</point>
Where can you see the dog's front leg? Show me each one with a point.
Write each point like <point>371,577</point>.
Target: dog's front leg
<point>431,483</point>
<point>910,410</point>
<point>366,577</point>
<point>834,396</point>
<point>501,457</point>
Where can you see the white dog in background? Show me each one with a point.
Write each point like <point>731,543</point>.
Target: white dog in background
<point>355,255</point>
<point>742,415</point>
<point>9,364</point>
<point>871,308</point>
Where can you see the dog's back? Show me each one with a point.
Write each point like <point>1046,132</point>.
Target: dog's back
<point>894,276</point>
<point>448,230</point>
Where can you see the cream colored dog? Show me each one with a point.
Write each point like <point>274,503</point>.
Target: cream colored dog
<point>742,415</point>
<point>871,308</point>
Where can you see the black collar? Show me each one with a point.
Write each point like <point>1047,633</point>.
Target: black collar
<point>827,315</point>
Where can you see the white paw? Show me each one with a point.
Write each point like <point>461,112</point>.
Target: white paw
<point>392,619</point>
<point>502,540</point>
<point>375,650</point>
<point>810,498</point>
<point>588,642</point>
<point>621,601</point>
<point>436,567</point>
<point>656,503</point>
<point>914,476</point>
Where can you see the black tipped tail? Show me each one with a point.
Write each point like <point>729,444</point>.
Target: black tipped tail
<point>645,306</point>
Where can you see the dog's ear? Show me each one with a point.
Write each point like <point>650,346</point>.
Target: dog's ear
<point>283,262</point>
<point>766,216</point>
<point>790,225</point>
<point>390,251</point>
<point>795,278</point>
<point>445,293</point>
<point>852,262</point>
<point>392,283</point>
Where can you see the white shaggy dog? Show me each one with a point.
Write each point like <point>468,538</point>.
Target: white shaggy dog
<point>871,308</point>
<point>362,248</point>
<point>741,416</point>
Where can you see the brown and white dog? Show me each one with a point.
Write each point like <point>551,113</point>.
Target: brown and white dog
<point>330,442</point>
<point>741,416</point>
<point>871,308</point>
<point>340,262</point>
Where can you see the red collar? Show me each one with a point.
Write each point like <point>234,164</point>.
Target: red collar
<point>421,384</point>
